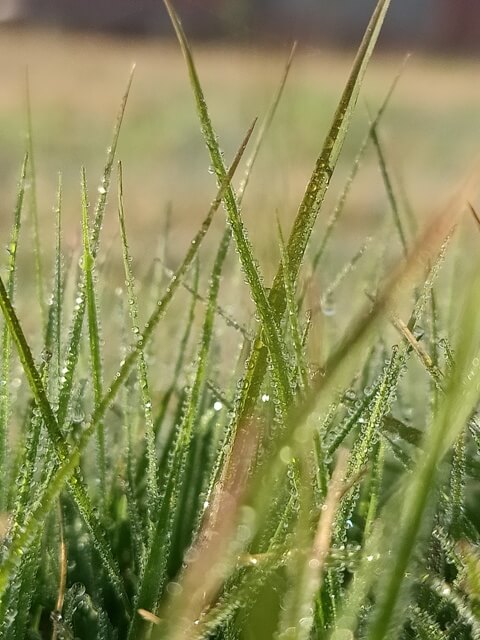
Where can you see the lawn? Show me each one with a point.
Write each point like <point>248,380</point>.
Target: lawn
<point>263,429</point>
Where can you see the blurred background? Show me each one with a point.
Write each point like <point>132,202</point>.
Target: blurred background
<point>437,23</point>
<point>79,54</point>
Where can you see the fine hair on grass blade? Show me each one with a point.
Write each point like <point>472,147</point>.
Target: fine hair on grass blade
<point>5,335</point>
<point>93,338</point>
<point>152,499</point>
<point>357,162</point>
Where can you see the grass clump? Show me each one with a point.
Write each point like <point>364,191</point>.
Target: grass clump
<point>274,486</point>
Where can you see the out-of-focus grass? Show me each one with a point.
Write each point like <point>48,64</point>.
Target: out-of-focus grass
<point>76,82</point>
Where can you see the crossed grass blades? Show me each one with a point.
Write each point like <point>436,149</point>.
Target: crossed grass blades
<point>262,497</point>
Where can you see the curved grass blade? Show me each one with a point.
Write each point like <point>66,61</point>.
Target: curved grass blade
<point>342,199</point>
<point>387,179</point>
<point>265,126</point>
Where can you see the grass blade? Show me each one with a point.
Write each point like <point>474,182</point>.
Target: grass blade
<point>270,329</point>
<point>79,310</point>
<point>94,338</point>
<point>152,499</point>
<point>6,339</point>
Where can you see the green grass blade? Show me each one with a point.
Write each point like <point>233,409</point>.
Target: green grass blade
<point>292,315</point>
<point>265,126</point>
<point>94,339</point>
<point>342,199</point>
<point>152,578</point>
<point>152,498</point>
<point>164,301</point>
<point>79,310</point>
<point>270,329</point>
<point>387,179</point>
<point>6,339</point>
<point>69,464</point>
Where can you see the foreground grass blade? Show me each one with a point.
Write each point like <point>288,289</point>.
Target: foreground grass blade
<point>270,328</point>
<point>93,337</point>
<point>152,500</point>
<point>6,338</point>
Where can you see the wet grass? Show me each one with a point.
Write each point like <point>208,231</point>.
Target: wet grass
<point>220,452</point>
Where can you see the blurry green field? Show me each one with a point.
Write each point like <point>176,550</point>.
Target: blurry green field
<point>76,82</point>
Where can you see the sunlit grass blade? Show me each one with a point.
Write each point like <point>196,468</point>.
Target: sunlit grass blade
<point>309,206</point>
<point>270,328</point>
<point>152,498</point>
<point>93,337</point>
<point>152,578</point>
<point>6,338</point>
<point>292,315</point>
